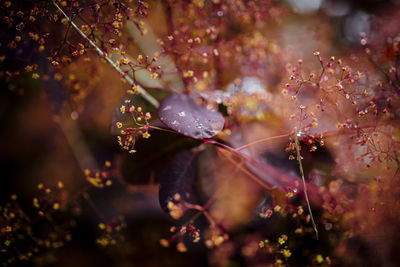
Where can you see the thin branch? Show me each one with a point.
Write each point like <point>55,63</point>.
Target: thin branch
<point>163,129</point>
<point>248,173</point>
<point>261,141</point>
<point>142,91</point>
<point>304,182</point>
<point>267,169</point>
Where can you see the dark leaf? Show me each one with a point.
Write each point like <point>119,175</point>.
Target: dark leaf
<point>182,114</point>
<point>206,174</point>
<point>179,177</point>
<point>137,168</point>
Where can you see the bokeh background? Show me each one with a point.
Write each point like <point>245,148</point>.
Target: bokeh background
<point>50,133</point>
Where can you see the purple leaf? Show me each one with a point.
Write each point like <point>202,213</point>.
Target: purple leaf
<point>182,114</point>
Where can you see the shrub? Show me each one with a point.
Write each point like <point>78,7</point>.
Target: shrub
<point>256,157</point>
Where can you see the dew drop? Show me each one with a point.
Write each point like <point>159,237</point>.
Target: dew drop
<point>167,108</point>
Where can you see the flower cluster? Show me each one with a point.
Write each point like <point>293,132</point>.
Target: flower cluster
<point>111,232</point>
<point>99,178</point>
<point>128,135</point>
<point>19,241</point>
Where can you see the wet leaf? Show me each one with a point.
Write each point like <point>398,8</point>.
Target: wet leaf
<point>182,114</point>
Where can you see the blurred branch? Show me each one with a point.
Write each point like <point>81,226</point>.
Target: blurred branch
<point>76,142</point>
<point>142,91</point>
<point>149,45</point>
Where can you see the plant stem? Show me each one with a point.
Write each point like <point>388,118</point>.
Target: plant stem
<point>304,181</point>
<point>255,178</point>
<point>128,78</point>
<point>261,141</point>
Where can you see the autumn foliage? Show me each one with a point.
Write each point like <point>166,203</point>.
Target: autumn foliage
<point>205,132</point>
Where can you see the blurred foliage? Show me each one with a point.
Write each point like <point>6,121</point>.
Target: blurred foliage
<point>72,196</point>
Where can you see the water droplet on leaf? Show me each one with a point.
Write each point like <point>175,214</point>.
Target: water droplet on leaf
<point>182,114</point>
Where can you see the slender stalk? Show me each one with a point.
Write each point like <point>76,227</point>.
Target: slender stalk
<point>248,173</point>
<point>163,129</point>
<point>261,141</point>
<point>128,78</point>
<point>304,182</point>
<point>285,178</point>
